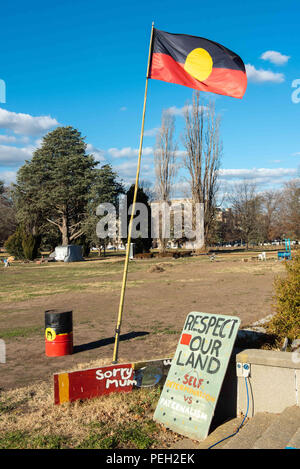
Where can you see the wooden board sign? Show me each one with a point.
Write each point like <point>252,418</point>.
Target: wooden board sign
<point>194,381</point>
<point>93,382</point>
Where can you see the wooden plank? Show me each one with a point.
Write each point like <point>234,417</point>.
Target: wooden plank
<point>104,380</point>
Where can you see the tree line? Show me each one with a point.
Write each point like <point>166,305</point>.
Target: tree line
<point>257,217</point>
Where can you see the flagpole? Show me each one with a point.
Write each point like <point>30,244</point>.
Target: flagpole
<point>122,296</point>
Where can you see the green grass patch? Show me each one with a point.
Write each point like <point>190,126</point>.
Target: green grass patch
<point>133,435</point>
<point>20,332</point>
<point>158,328</point>
<point>49,442</point>
<point>24,440</point>
<point>14,440</point>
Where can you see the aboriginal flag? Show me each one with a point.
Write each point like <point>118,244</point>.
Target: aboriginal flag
<point>197,63</point>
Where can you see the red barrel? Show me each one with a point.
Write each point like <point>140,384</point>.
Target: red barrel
<point>58,333</point>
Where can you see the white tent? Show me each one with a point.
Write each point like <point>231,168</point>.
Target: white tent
<point>71,253</point>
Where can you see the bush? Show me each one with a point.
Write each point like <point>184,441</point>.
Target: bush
<point>22,245</point>
<point>13,245</point>
<point>286,322</point>
<point>30,245</point>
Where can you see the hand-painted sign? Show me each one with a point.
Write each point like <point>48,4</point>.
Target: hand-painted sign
<point>195,378</point>
<point>85,384</point>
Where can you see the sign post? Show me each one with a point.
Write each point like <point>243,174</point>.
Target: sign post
<point>194,381</point>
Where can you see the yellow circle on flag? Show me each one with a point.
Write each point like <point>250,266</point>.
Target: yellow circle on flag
<point>50,334</point>
<point>199,64</point>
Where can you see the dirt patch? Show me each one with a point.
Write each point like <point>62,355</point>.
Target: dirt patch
<point>156,268</point>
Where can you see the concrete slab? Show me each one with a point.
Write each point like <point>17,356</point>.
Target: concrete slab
<point>251,431</point>
<point>280,432</point>
<point>295,440</point>
<point>218,434</point>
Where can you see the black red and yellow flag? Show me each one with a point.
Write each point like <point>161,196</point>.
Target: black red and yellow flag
<point>197,63</point>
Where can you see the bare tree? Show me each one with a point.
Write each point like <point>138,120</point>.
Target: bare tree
<point>165,166</point>
<point>290,209</point>
<point>246,209</point>
<point>270,205</point>
<point>203,157</point>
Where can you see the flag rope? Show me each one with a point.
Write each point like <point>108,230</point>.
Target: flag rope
<point>125,272</point>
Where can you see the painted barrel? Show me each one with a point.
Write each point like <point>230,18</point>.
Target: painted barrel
<point>58,333</point>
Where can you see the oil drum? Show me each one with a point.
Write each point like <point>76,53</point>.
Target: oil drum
<point>58,333</point>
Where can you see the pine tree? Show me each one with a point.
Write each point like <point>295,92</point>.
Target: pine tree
<point>53,188</point>
<point>105,189</point>
<point>142,244</point>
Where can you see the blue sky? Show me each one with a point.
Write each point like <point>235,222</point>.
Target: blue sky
<point>83,63</point>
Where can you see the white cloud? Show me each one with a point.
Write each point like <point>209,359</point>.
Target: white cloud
<point>11,155</point>
<point>296,154</point>
<point>151,132</point>
<point>180,111</point>
<point>8,176</point>
<point>128,152</point>
<point>180,153</point>
<point>275,57</point>
<point>26,124</point>
<point>123,108</point>
<point>98,154</point>
<point>263,177</point>
<point>13,139</point>
<point>39,142</point>
<point>257,173</point>
<point>7,138</point>
<point>263,76</point>
<point>127,170</point>
<point>181,189</point>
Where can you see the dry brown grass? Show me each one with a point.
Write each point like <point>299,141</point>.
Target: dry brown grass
<point>29,416</point>
<point>251,267</point>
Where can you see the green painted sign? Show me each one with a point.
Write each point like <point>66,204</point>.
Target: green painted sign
<point>194,381</point>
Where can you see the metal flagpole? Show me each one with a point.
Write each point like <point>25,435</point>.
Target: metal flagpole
<point>118,328</point>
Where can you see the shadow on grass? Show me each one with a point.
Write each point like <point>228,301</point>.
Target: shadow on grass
<point>107,341</point>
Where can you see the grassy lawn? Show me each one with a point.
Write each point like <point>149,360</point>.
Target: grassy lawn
<point>21,282</point>
<point>116,421</point>
<point>24,281</point>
